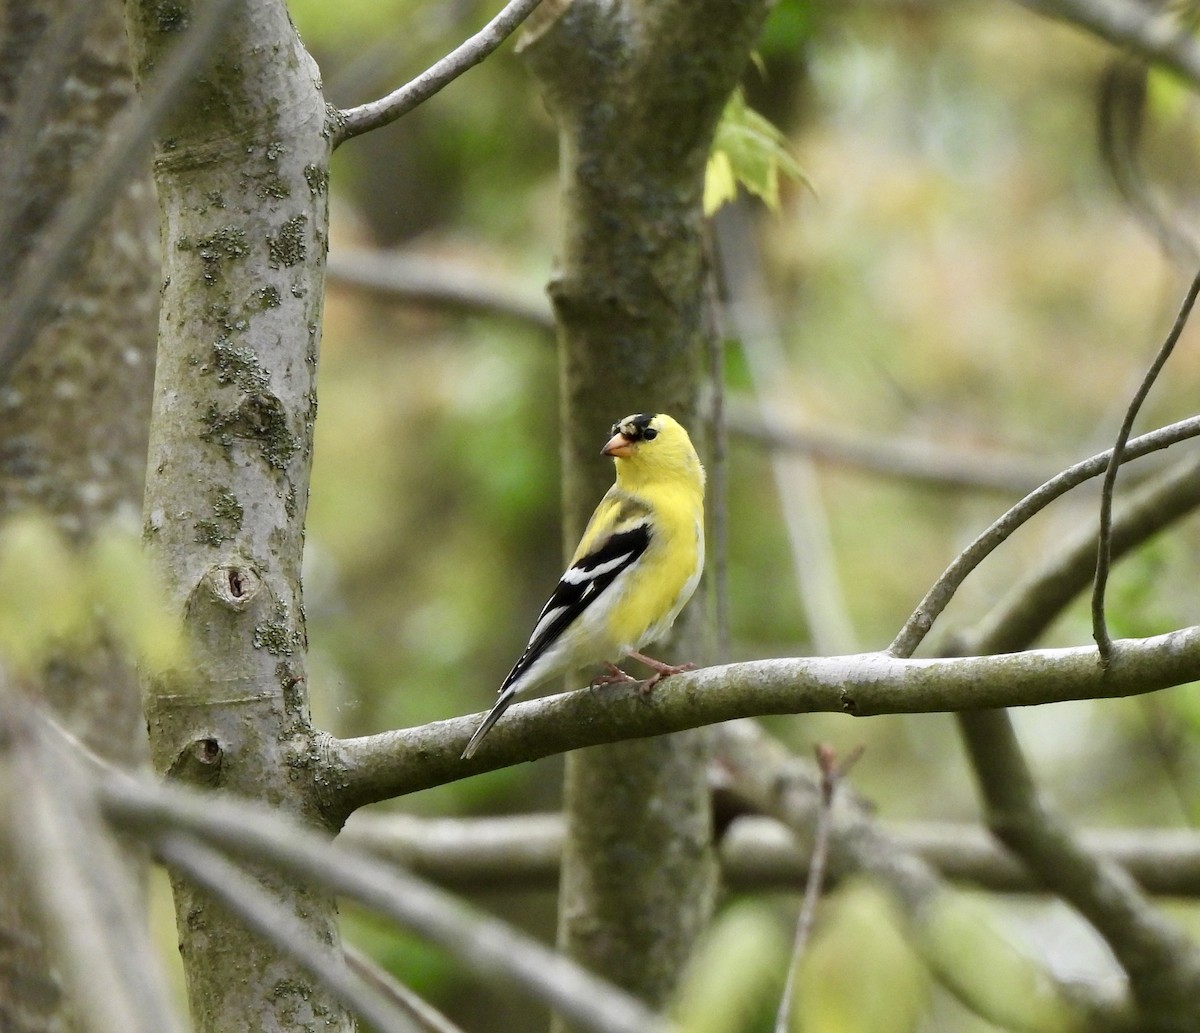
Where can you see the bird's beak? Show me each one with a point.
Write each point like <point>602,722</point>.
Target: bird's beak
<point>618,445</point>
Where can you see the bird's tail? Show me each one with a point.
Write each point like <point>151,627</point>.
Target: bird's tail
<point>502,704</point>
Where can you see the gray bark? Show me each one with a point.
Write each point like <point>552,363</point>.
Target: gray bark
<point>636,89</point>
<point>241,169</point>
<point>74,411</point>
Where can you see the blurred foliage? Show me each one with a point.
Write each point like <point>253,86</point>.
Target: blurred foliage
<point>971,953</point>
<point>861,932</point>
<point>962,274</point>
<point>57,597</point>
<point>736,972</point>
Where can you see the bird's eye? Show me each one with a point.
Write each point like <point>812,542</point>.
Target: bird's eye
<point>650,434</point>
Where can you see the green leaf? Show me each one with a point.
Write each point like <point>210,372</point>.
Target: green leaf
<point>860,932</point>
<point>967,949</point>
<point>737,968</point>
<point>748,151</point>
<point>42,605</point>
<point>130,603</point>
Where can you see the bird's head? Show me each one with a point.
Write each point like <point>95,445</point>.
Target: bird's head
<point>653,447</point>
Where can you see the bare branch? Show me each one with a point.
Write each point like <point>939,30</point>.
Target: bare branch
<point>1028,608</point>
<point>355,121</point>
<point>271,919</point>
<point>489,947</point>
<point>831,774</point>
<point>770,780</point>
<point>423,1013</point>
<point>1161,960</point>
<point>61,242</point>
<point>1162,964</point>
<point>522,852</point>
<point>424,280</point>
<point>1152,32</point>
<point>389,764</point>
<point>84,892</point>
<point>939,595</point>
<point>1104,551</point>
<point>927,462</point>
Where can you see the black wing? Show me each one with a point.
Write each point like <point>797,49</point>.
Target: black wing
<point>582,584</point>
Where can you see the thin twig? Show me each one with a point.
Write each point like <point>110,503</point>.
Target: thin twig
<point>771,780</point>
<point>831,774</point>
<point>422,1012</point>
<point>357,120</point>
<point>265,915</point>
<point>1104,550</point>
<point>61,244</point>
<point>942,591</point>
<point>718,461</point>
<point>1024,612</point>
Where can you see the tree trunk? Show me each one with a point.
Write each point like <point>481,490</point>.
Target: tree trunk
<point>636,89</point>
<point>241,169</point>
<point>74,411</point>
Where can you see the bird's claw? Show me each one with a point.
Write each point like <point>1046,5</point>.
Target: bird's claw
<point>662,671</point>
<point>614,676</point>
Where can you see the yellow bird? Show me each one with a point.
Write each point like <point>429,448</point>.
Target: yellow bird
<point>637,565</point>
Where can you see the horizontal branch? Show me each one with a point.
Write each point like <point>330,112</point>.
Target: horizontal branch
<point>441,283</point>
<point>521,853</point>
<point>389,764</point>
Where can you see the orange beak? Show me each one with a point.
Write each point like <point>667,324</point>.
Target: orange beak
<point>618,445</point>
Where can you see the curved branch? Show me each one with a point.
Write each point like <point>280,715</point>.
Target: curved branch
<point>939,595</point>
<point>1149,31</point>
<point>365,117</point>
<point>1104,548</point>
<point>379,767</point>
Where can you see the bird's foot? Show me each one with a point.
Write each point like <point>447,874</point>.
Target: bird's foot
<point>660,669</point>
<point>613,676</point>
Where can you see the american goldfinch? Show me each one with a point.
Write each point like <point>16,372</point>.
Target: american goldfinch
<point>637,565</point>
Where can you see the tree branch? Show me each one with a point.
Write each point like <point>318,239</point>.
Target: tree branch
<point>487,946</point>
<point>424,280</point>
<point>770,780</point>
<point>939,595</point>
<point>1162,962</point>
<point>1151,32</point>
<point>355,121</point>
<point>521,853</point>
<point>378,767</point>
<point>1028,608</point>
<point>270,918</point>
<point>1104,548</point>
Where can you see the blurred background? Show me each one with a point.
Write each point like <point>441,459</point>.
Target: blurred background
<point>958,278</point>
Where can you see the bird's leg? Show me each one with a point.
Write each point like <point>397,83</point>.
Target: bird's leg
<point>614,676</point>
<point>660,669</point>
